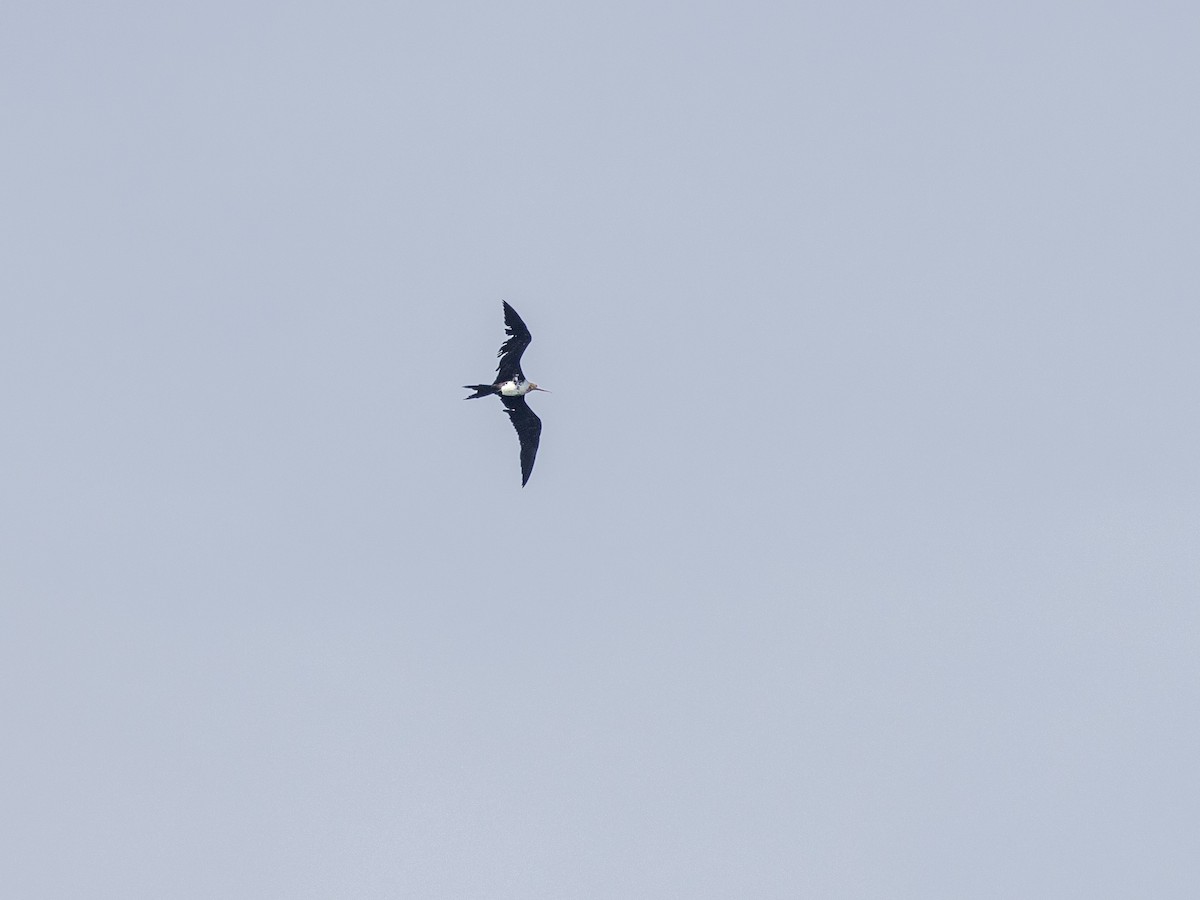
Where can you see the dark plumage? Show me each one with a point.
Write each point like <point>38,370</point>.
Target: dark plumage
<point>512,386</point>
<point>529,432</point>
<point>509,368</point>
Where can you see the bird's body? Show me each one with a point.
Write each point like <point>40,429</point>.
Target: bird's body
<point>511,386</point>
<point>514,388</point>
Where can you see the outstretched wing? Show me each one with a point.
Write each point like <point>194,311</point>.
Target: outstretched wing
<point>529,431</point>
<point>511,350</point>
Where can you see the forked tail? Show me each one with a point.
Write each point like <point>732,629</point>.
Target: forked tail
<point>481,390</point>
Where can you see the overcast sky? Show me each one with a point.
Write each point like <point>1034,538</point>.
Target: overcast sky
<point>861,555</point>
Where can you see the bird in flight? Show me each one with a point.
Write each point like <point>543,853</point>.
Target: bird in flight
<point>511,386</point>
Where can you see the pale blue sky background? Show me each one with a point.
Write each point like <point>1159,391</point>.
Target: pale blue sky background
<point>860,559</point>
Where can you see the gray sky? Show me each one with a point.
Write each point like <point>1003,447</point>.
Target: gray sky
<point>860,559</point>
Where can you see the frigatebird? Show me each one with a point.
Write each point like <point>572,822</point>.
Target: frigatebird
<point>511,386</point>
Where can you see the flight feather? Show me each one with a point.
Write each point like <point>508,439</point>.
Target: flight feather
<point>529,432</point>
<point>510,352</point>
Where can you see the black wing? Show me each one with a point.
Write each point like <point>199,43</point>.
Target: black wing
<point>511,350</point>
<point>529,431</point>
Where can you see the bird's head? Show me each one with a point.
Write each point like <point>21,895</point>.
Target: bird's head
<point>533,387</point>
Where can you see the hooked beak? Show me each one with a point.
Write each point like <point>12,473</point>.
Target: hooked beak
<point>543,390</point>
